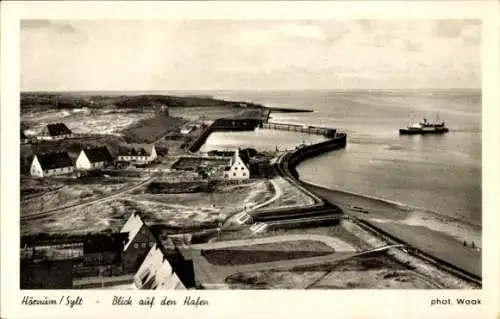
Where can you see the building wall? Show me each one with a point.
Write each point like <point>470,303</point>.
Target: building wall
<point>100,258</point>
<point>59,171</point>
<point>138,249</point>
<point>153,154</point>
<point>46,136</point>
<point>238,170</point>
<point>82,162</point>
<point>36,170</point>
<point>134,158</point>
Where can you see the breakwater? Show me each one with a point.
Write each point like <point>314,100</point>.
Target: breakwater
<point>285,167</point>
<point>293,160</point>
<point>250,124</point>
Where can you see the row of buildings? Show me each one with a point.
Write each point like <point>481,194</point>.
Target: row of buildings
<point>60,163</point>
<point>134,253</point>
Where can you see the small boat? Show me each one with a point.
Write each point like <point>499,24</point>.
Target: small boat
<point>424,127</point>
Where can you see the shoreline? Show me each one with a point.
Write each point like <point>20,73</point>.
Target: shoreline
<point>395,204</point>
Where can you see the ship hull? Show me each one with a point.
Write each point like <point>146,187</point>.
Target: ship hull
<point>403,131</point>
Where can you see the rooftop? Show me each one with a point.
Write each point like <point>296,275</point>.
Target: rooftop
<point>54,160</point>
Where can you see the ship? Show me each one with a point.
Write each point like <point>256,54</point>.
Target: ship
<point>424,127</point>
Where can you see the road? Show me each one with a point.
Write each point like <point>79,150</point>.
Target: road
<point>88,202</point>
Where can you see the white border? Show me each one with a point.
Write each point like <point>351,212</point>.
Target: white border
<point>251,304</point>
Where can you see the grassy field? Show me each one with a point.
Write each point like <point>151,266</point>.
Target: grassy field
<point>374,272</point>
<point>71,194</point>
<point>83,121</point>
<point>284,250</point>
<point>213,113</point>
<point>196,210</point>
<point>151,129</point>
<point>334,231</point>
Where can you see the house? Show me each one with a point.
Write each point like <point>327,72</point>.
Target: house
<point>56,131</point>
<point>101,249</point>
<point>138,154</point>
<point>51,164</point>
<point>93,158</point>
<point>237,169</point>
<point>156,272</point>
<point>139,241</point>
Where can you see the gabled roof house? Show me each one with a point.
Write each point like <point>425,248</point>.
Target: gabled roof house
<point>94,158</point>
<point>156,272</point>
<point>51,164</point>
<point>55,131</point>
<point>237,169</point>
<point>138,153</point>
<point>139,241</point>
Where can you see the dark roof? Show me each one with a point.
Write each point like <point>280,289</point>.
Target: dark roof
<point>137,150</point>
<point>98,154</point>
<point>54,160</point>
<point>104,243</point>
<point>58,129</point>
<point>221,153</point>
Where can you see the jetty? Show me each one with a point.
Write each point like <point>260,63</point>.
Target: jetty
<point>250,124</point>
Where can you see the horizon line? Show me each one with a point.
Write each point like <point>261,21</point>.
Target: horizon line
<point>257,89</point>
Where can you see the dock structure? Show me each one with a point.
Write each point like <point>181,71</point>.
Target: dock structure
<point>250,124</point>
<point>327,132</point>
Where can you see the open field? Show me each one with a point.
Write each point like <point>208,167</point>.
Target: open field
<point>337,231</point>
<point>283,250</point>
<point>170,210</point>
<point>212,113</point>
<point>83,121</point>
<point>150,129</point>
<point>368,272</point>
<point>72,193</point>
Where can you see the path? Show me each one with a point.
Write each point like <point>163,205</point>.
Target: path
<point>335,243</point>
<point>87,202</point>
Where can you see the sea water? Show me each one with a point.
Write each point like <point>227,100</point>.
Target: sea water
<point>438,173</point>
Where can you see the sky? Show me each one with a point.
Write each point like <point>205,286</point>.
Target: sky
<point>140,55</point>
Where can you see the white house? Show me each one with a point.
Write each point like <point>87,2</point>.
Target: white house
<point>56,131</point>
<point>140,239</point>
<point>237,169</point>
<point>51,164</point>
<point>93,158</point>
<point>156,272</point>
<point>139,153</point>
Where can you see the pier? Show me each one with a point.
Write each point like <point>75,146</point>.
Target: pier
<point>327,132</point>
<point>250,124</point>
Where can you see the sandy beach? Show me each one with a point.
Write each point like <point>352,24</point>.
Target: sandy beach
<point>399,221</point>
